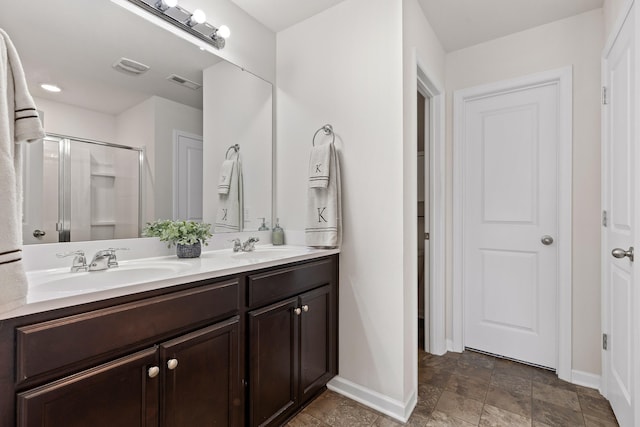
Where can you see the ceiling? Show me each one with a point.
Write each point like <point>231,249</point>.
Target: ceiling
<point>74,44</point>
<point>278,15</point>
<point>457,23</point>
<point>463,23</point>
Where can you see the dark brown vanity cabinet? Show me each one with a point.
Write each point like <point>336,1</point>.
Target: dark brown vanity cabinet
<point>249,349</point>
<point>192,380</point>
<point>292,343</point>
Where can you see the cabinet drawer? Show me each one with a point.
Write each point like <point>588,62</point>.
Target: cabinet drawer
<point>77,341</point>
<point>275,285</point>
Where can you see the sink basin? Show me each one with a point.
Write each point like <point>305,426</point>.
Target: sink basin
<point>269,253</point>
<point>64,283</point>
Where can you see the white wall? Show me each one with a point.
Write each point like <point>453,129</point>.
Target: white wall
<point>150,124</point>
<point>69,120</point>
<point>240,107</point>
<point>344,67</point>
<point>612,10</point>
<point>135,128</point>
<point>419,44</point>
<point>575,41</point>
<point>169,116</point>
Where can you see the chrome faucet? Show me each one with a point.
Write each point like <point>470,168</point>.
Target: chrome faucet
<point>237,245</point>
<point>105,259</point>
<point>247,246</point>
<point>79,261</point>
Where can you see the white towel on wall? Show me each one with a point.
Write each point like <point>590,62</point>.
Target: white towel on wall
<point>324,206</point>
<point>320,166</point>
<point>230,205</point>
<point>19,122</point>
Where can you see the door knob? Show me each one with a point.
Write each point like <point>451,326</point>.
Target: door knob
<point>621,253</point>
<point>305,308</point>
<point>38,233</point>
<point>546,240</point>
<point>297,311</point>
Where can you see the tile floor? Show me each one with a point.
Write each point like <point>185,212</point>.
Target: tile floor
<point>472,389</point>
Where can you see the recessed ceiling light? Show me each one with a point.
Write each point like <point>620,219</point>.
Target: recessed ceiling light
<point>50,87</point>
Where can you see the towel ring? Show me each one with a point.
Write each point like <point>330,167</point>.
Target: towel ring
<point>328,130</point>
<point>234,147</point>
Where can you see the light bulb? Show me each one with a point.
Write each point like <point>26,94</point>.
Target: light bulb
<point>166,4</point>
<point>198,17</point>
<point>223,32</point>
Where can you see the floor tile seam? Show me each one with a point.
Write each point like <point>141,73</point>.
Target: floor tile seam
<point>511,412</point>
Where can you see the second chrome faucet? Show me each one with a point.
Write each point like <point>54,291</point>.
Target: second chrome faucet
<point>247,246</point>
<point>102,260</point>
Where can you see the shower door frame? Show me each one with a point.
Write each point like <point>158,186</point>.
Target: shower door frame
<point>63,226</point>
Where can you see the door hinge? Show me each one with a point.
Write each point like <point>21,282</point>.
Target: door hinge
<point>605,101</point>
<point>604,218</point>
<point>605,339</point>
<point>426,236</point>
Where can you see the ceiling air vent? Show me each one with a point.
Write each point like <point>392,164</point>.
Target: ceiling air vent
<point>184,82</point>
<point>131,67</point>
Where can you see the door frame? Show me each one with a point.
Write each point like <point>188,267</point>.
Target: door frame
<point>436,294</point>
<point>562,78</point>
<point>626,9</point>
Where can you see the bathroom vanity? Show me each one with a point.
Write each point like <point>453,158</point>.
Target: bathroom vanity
<point>247,348</point>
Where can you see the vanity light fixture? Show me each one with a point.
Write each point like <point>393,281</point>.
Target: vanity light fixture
<point>192,22</point>
<point>50,87</point>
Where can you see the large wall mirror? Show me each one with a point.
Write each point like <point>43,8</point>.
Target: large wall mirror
<point>124,148</point>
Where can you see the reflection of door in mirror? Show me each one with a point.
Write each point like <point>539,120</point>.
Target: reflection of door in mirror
<point>80,190</point>
<point>187,169</point>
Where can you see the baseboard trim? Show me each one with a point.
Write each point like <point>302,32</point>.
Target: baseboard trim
<point>586,379</point>
<point>374,400</point>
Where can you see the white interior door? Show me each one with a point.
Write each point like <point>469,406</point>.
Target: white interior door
<point>619,196</point>
<point>510,222</point>
<point>187,195</point>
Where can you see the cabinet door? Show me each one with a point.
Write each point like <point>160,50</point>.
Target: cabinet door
<point>273,365</point>
<point>317,360</point>
<point>118,393</point>
<point>202,377</point>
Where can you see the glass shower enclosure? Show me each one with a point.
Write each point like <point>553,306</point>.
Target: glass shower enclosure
<point>77,190</point>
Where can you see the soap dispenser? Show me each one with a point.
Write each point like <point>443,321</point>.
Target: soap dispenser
<point>263,226</point>
<point>277,235</point>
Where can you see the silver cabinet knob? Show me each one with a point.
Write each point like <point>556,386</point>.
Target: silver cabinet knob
<point>297,311</point>
<point>39,233</point>
<point>305,308</point>
<point>621,253</point>
<point>172,364</point>
<point>546,240</point>
<point>153,371</point>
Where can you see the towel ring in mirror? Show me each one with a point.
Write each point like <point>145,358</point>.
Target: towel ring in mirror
<point>328,130</point>
<point>234,147</point>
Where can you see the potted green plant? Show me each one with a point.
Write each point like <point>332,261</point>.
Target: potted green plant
<point>188,236</point>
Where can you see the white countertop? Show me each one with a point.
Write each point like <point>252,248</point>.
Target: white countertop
<point>58,288</point>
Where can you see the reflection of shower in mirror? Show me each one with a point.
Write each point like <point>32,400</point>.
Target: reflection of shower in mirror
<point>78,190</point>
